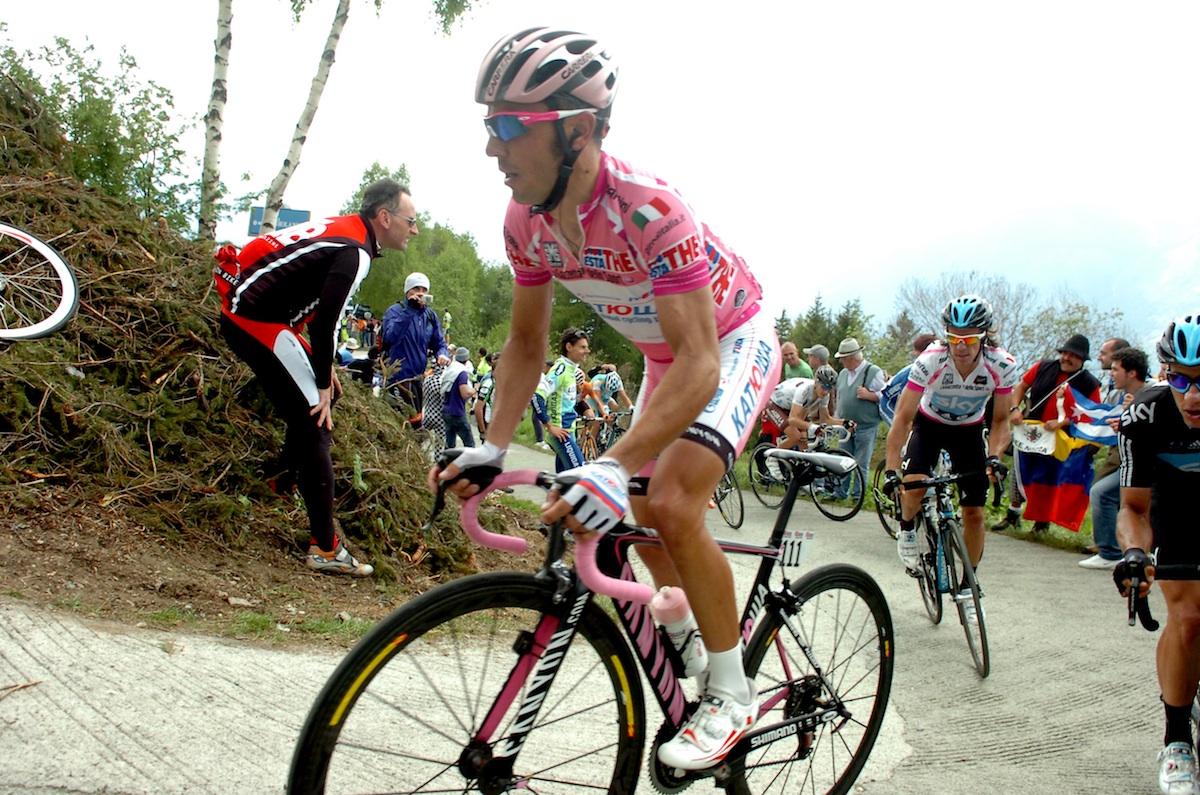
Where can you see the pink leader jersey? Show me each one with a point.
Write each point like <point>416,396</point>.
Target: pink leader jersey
<point>952,399</point>
<point>641,239</point>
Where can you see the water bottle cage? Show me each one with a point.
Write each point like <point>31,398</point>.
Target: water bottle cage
<point>673,654</point>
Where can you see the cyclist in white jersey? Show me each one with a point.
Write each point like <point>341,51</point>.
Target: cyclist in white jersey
<point>628,245</point>
<point>942,408</point>
<point>799,406</point>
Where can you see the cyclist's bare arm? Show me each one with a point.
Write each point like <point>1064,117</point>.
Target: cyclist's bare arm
<point>690,328</point>
<point>526,347</point>
<point>1133,527</point>
<point>1001,433</point>
<point>906,412</point>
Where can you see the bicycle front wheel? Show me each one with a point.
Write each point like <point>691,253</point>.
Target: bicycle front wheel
<point>927,572</point>
<point>588,446</point>
<point>38,292</point>
<point>827,489</point>
<point>887,508</point>
<point>419,704</point>
<point>968,598</point>
<point>729,500</point>
<point>830,650</point>
<point>769,477</point>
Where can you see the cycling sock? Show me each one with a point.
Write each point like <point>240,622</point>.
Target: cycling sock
<point>725,673</point>
<point>908,525</point>
<point>1179,729</point>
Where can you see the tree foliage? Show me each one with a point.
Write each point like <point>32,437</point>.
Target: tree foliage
<point>1030,323</point>
<point>122,136</point>
<point>820,326</point>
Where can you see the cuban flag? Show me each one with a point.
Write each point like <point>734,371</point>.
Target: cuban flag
<point>1089,420</point>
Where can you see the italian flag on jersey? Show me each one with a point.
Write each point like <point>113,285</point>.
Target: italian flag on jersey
<point>650,212</point>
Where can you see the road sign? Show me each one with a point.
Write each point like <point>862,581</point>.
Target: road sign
<point>287,217</point>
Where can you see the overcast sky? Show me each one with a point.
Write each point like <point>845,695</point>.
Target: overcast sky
<point>840,148</point>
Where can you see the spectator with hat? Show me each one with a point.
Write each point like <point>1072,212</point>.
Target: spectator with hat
<point>410,334</point>
<point>858,387</point>
<point>1038,480</point>
<point>818,355</point>
<point>456,387</point>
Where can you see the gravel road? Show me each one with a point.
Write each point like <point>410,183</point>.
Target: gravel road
<point>1071,704</point>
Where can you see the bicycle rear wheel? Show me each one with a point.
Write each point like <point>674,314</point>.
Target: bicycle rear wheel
<point>975,631</point>
<point>825,488</point>
<point>887,508</point>
<point>840,621</point>
<point>404,710</point>
<point>769,477</point>
<point>729,500</point>
<point>928,572</point>
<point>38,291</point>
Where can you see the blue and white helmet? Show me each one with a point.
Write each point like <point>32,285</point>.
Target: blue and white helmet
<point>1180,343</point>
<point>968,311</point>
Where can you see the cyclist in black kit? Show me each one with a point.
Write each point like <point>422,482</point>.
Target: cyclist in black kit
<point>1160,475</point>
<point>278,285</point>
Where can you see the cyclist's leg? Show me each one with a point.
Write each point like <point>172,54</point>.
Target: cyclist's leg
<point>968,453</point>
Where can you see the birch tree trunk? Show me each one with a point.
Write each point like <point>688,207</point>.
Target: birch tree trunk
<point>214,120</point>
<point>275,196</point>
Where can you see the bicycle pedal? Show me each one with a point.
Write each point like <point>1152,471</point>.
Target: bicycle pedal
<point>916,575</point>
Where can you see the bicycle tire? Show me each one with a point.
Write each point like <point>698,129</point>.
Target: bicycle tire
<point>886,508</point>
<point>402,707</point>
<point>587,446</point>
<point>769,477</point>
<point>844,618</point>
<point>824,486</point>
<point>927,578</point>
<point>976,632</point>
<point>729,500</point>
<point>38,290</point>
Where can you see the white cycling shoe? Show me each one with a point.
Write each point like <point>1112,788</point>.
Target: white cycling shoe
<point>713,730</point>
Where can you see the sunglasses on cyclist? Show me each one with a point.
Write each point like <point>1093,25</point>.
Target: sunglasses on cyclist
<point>1182,383</point>
<point>965,339</point>
<point>509,124</point>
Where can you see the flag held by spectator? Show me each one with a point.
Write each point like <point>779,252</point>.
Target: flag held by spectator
<point>1089,420</point>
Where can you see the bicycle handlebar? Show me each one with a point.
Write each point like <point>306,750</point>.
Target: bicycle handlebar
<point>1140,606</point>
<point>585,550</point>
<point>997,484</point>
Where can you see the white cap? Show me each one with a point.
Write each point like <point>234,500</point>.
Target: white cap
<point>415,279</point>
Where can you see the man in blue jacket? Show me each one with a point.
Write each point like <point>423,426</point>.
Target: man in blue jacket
<point>410,334</point>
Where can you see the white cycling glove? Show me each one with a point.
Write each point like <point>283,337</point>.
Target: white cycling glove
<point>489,458</point>
<point>601,495</point>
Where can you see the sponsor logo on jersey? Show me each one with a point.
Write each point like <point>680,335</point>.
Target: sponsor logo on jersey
<point>981,380</point>
<point>712,404</point>
<point>662,230</point>
<point>739,300</point>
<point>723,270</point>
<point>624,310</point>
<point>744,412</point>
<point>948,378</point>
<point>622,202</point>
<point>657,208</point>
<point>606,259</point>
<point>519,259</point>
<point>682,253</point>
<point>552,254</point>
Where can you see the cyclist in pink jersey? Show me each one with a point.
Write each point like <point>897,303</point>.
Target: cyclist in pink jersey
<point>626,243</point>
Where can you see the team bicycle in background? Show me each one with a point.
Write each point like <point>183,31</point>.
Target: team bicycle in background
<point>38,290</point>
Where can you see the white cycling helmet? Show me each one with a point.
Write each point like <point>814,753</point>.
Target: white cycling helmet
<point>560,67</point>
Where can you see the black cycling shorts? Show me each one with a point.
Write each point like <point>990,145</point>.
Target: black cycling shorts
<point>963,443</point>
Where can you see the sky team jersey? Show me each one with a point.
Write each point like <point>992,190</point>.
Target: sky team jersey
<point>641,240</point>
<point>951,399</point>
<point>1160,452</point>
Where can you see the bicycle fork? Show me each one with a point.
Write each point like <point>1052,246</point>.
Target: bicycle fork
<point>539,657</point>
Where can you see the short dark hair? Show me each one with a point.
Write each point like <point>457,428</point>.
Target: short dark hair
<point>1133,360</point>
<point>923,341</point>
<point>569,337</point>
<point>382,194</point>
<point>483,351</point>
